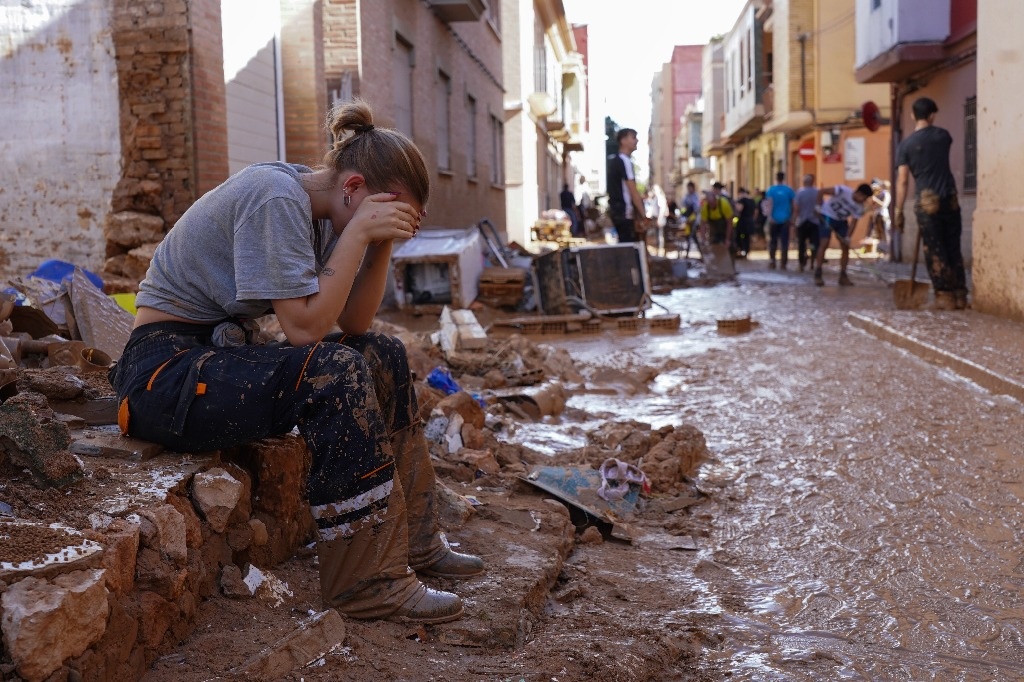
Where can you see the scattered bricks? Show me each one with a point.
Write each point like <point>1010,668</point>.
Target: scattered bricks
<point>479,461</point>
<point>155,574</point>
<point>591,536</point>
<point>38,443</point>
<point>675,456</point>
<point>131,229</point>
<point>120,546</point>
<point>278,467</point>
<point>313,639</point>
<point>232,584</point>
<point>629,324</point>
<point>453,510</point>
<point>193,526</point>
<point>137,261</point>
<point>155,617</point>
<point>215,494</point>
<point>243,510</point>
<point>163,529</point>
<point>259,532</point>
<point>472,437</point>
<point>465,405</point>
<point>45,623</point>
<point>240,537</point>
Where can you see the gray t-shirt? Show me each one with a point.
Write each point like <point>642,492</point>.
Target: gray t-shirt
<point>238,247</point>
<point>807,205</point>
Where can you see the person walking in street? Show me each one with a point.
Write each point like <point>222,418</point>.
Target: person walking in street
<point>925,156</point>
<point>781,208</point>
<point>716,216</point>
<point>624,200</point>
<point>892,244</point>
<point>839,215</point>
<point>584,203</point>
<point>567,200</point>
<point>313,247</point>
<point>690,215</point>
<point>744,222</point>
<point>808,223</point>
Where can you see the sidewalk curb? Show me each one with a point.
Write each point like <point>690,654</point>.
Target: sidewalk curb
<point>979,374</point>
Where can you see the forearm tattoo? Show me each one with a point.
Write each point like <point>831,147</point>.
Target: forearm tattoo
<point>327,272</point>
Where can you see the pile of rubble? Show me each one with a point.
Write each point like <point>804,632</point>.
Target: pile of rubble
<point>108,544</point>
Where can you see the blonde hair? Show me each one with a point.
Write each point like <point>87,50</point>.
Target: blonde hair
<point>384,156</point>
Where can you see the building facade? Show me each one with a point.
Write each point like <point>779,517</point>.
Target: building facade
<point>921,48</point>
<point>162,101</point>
<point>545,110</point>
<point>674,89</point>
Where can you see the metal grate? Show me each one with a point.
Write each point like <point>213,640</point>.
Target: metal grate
<point>971,145</point>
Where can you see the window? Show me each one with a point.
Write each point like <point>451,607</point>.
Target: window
<point>444,120</point>
<point>497,151</point>
<point>540,68</point>
<point>471,136</point>
<point>402,85</point>
<point>971,145</point>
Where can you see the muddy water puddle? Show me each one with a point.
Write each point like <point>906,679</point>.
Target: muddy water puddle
<point>865,506</point>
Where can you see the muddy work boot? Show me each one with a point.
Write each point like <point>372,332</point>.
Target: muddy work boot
<point>844,281</point>
<point>944,300</point>
<point>429,606</point>
<point>453,565</point>
<point>818,279</point>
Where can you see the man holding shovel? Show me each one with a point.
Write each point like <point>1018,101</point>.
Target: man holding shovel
<point>840,209</point>
<point>925,155</point>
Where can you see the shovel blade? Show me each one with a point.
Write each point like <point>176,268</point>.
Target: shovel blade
<point>909,294</point>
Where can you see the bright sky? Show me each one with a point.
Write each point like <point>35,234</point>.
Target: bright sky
<point>630,40</point>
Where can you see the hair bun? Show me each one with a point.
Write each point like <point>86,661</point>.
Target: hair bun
<point>364,128</point>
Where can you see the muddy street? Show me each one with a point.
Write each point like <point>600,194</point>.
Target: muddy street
<point>864,506</point>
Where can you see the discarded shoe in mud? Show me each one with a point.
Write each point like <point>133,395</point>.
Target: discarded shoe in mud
<point>616,476</point>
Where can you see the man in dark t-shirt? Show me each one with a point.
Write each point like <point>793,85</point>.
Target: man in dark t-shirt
<point>624,200</point>
<point>925,155</point>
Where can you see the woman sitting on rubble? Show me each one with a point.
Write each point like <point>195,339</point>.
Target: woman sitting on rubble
<point>313,247</point>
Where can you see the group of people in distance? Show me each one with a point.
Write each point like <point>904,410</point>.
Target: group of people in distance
<point>816,214</point>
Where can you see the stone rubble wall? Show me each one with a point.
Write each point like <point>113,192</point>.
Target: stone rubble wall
<point>109,616</point>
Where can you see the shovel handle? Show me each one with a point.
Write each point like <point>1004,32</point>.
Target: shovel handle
<point>917,249</point>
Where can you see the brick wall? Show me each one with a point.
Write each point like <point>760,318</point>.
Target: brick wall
<point>305,94</point>
<point>473,61</point>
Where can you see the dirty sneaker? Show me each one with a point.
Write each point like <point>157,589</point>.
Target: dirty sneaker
<point>818,279</point>
<point>844,281</point>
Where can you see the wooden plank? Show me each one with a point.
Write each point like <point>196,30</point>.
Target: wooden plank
<point>95,412</point>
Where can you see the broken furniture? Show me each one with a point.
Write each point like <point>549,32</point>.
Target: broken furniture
<point>438,268</point>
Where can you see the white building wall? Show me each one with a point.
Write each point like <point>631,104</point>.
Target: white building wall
<point>59,141</point>
<point>997,245</point>
<point>252,91</point>
<point>881,28</point>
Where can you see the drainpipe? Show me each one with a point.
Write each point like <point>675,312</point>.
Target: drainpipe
<point>803,70</point>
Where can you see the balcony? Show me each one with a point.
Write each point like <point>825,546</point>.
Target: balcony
<point>451,11</point>
<point>898,39</point>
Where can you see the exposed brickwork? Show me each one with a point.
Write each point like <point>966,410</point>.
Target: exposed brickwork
<point>305,97</point>
<point>173,120</point>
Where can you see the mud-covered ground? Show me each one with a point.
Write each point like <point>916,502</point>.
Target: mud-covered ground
<point>859,516</point>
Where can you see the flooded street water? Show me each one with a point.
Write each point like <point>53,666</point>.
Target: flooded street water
<point>864,507</point>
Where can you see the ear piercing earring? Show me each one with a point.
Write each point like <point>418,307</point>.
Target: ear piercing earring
<point>348,199</point>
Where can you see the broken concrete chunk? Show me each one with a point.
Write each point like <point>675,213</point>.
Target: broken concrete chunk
<point>131,229</point>
<point>465,405</point>
<point>232,584</point>
<point>45,623</point>
<point>215,494</point>
<point>313,639</point>
<point>163,529</point>
<point>37,442</point>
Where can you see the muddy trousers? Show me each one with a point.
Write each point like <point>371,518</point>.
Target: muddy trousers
<point>352,400</point>
<point>940,239</point>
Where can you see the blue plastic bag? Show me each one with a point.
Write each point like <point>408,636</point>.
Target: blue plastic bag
<point>441,379</point>
<point>59,270</point>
